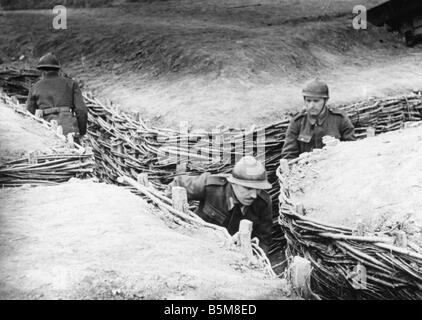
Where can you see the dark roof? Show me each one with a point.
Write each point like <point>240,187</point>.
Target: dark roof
<point>392,11</point>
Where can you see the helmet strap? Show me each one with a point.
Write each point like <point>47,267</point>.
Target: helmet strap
<point>323,108</point>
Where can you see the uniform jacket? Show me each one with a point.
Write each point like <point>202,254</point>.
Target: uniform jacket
<point>218,205</point>
<point>54,91</point>
<point>303,136</point>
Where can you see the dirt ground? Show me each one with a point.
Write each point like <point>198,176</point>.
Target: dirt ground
<point>20,135</point>
<point>86,240</point>
<point>213,62</point>
<point>377,180</point>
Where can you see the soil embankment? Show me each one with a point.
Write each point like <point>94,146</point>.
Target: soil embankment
<point>213,62</point>
<point>377,180</point>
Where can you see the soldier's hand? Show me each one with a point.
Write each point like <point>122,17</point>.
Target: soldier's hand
<point>83,141</point>
<point>330,141</point>
<point>255,240</point>
<point>235,238</point>
<point>167,192</point>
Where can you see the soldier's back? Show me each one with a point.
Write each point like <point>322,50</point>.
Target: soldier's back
<point>53,92</point>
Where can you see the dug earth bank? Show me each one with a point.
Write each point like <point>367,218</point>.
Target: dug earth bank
<point>211,62</point>
<point>377,180</point>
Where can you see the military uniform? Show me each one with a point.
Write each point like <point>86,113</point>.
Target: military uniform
<point>304,133</point>
<point>218,205</point>
<point>59,97</point>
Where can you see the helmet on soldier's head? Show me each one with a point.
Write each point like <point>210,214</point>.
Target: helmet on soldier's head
<point>316,88</point>
<point>249,172</point>
<point>48,61</point>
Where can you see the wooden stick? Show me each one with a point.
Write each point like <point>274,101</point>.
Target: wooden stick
<point>400,239</point>
<point>142,178</point>
<point>354,238</point>
<point>284,166</point>
<point>245,232</point>
<point>38,113</point>
<point>59,130</point>
<point>300,209</point>
<point>370,132</point>
<point>179,198</point>
<point>299,271</point>
<point>70,140</point>
<point>360,277</point>
<point>359,229</point>
<point>33,157</point>
<point>361,254</point>
<point>54,124</point>
<point>400,250</point>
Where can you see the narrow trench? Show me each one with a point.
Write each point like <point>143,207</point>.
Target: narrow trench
<point>397,111</point>
<point>123,145</point>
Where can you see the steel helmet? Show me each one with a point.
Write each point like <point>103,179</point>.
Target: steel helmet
<point>48,61</point>
<point>249,172</point>
<point>316,88</point>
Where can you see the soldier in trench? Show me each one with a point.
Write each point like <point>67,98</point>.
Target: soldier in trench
<point>58,98</point>
<point>227,199</point>
<point>316,120</point>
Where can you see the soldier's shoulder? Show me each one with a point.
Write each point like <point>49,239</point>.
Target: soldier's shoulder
<point>40,81</point>
<point>299,115</point>
<point>337,111</point>
<point>216,179</point>
<point>67,79</point>
<point>264,196</point>
<point>39,85</point>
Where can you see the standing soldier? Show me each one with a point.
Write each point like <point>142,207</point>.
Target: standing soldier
<point>317,120</point>
<point>227,199</point>
<point>58,98</point>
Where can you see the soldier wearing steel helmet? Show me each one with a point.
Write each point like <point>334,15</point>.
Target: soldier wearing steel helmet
<point>227,199</point>
<point>316,120</point>
<point>58,97</point>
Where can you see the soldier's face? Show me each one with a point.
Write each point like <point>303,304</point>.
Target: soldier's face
<point>245,195</point>
<point>314,105</point>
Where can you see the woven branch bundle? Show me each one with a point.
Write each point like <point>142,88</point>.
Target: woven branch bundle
<point>334,251</point>
<point>49,170</point>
